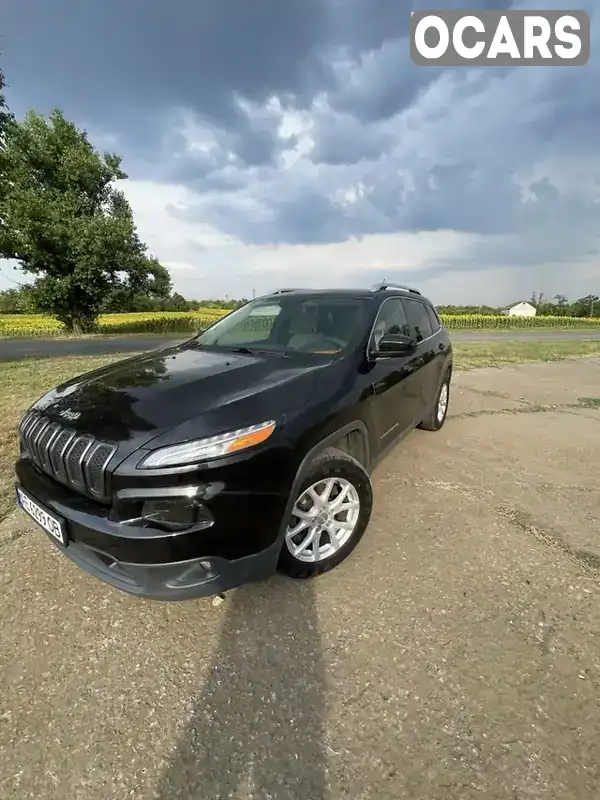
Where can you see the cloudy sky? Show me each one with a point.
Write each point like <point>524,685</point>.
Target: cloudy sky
<point>274,143</point>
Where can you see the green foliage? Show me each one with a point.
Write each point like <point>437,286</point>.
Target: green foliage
<point>17,301</point>
<point>583,307</point>
<point>160,300</point>
<point>486,310</point>
<point>126,298</point>
<point>5,115</point>
<point>65,223</point>
<point>5,120</point>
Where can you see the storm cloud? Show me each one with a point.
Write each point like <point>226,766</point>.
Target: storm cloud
<point>305,123</point>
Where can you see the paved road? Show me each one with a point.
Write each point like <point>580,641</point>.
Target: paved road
<point>455,656</point>
<point>15,349</point>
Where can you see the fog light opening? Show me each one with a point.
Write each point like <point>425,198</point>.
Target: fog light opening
<point>199,572</point>
<point>176,513</point>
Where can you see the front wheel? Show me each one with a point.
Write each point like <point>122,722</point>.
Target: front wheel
<point>329,516</point>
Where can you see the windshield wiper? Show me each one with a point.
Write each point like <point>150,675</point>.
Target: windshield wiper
<point>252,351</point>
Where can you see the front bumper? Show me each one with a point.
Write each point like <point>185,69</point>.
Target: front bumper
<point>160,565</point>
<point>182,580</point>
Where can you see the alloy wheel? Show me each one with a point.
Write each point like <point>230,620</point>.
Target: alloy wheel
<point>442,403</point>
<point>323,519</point>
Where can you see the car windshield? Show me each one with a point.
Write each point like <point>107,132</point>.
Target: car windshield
<point>315,325</point>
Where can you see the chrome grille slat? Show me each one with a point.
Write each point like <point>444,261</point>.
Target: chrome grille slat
<point>27,432</point>
<point>74,460</point>
<point>35,439</point>
<point>45,444</point>
<point>77,460</point>
<point>58,456</point>
<point>28,421</point>
<point>95,474</point>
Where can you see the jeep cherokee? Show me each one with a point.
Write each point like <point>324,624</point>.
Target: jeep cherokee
<point>189,470</point>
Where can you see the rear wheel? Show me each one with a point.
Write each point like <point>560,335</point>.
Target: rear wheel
<point>437,416</point>
<point>329,515</point>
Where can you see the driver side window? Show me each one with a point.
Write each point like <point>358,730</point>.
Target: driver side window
<point>391,320</point>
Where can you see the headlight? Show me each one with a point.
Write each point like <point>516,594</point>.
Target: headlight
<point>211,447</point>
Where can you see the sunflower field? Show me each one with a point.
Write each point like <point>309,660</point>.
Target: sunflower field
<point>38,325</point>
<point>184,322</point>
<point>502,322</point>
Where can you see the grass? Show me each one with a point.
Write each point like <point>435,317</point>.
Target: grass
<point>23,382</point>
<point>470,355</point>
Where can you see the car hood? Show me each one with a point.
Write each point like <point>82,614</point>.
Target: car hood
<point>185,390</point>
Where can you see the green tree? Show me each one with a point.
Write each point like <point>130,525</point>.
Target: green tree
<point>177,302</point>
<point>5,119</point>
<point>588,306</point>
<point>65,222</point>
<point>125,297</point>
<point>17,301</point>
<point>5,115</point>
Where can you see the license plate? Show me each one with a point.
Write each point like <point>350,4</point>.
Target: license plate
<point>51,524</point>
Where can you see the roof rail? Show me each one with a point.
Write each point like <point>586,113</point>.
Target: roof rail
<point>284,291</point>
<point>380,287</point>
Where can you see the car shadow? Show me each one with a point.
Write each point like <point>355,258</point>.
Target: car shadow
<point>258,723</point>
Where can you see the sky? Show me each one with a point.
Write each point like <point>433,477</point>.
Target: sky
<point>272,144</point>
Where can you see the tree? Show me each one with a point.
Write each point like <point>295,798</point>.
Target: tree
<point>5,120</point>
<point>17,301</point>
<point>64,221</point>
<point>5,115</point>
<point>125,298</point>
<point>588,306</point>
<point>177,302</point>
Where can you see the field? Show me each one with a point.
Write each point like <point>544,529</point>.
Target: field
<point>37,325</point>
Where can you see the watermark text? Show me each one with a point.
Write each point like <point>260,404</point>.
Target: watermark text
<point>500,38</point>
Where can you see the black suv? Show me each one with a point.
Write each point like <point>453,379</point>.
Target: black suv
<point>189,470</point>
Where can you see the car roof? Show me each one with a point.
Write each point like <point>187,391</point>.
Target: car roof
<point>379,290</point>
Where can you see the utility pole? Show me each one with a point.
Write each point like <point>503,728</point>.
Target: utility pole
<point>592,306</point>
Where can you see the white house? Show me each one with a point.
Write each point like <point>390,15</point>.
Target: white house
<point>522,310</point>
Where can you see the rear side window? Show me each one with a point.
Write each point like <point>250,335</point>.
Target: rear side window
<point>436,322</point>
<point>418,319</point>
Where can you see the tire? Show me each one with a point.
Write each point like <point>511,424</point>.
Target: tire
<point>435,419</point>
<point>346,474</point>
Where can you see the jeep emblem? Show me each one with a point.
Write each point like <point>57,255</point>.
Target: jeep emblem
<point>70,415</point>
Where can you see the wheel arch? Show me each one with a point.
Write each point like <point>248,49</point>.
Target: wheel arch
<point>352,435</point>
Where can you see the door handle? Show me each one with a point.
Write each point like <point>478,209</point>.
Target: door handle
<point>440,346</point>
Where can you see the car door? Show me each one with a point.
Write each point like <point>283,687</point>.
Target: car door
<point>396,399</point>
<point>426,355</point>
<point>440,344</point>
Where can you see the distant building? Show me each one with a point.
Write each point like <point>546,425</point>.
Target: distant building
<point>522,310</point>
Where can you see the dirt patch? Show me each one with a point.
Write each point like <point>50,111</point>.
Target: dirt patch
<point>454,655</point>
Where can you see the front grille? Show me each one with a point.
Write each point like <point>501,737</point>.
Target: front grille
<point>77,460</point>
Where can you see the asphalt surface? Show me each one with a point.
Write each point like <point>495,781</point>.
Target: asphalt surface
<point>454,656</point>
<point>16,349</point>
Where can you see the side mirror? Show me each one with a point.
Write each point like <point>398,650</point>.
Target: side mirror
<point>396,345</point>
